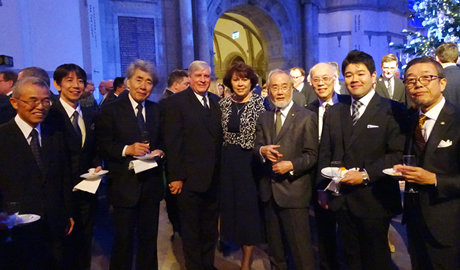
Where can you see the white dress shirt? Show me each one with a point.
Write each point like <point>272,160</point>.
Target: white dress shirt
<point>134,105</point>
<point>200,98</point>
<point>431,117</point>
<point>322,109</point>
<point>364,101</point>
<point>70,110</point>
<point>300,87</point>
<point>27,129</point>
<point>391,82</point>
<point>284,112</point>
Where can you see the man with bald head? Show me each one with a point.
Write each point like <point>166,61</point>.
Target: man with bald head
<point>109,92</point>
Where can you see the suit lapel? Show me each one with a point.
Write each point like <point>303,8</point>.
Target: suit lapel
<point>201,111</point>
<point>384,88</point>
<point>371,110</point>
<point>439,129</point>
<point>346,122</point>
<point>291,115</point>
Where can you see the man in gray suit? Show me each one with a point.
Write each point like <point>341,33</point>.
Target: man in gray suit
<point>287,140</point>
<point>447,56</point>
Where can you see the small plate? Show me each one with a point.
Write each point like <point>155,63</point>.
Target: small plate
<point>24,219</point>
<point>330,172</point>
<point>392,172</point>
<point>93,175</point>
<point>146,157</point>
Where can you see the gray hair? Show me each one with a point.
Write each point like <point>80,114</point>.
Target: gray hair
<point>276,71</point>
<point>333,68</point>
<point>145,66</point>
<point>18,86</point>
<point>198,65</point>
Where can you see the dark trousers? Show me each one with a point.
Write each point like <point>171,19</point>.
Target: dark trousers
<point>198,216</point>
<point>143,219</point>
<point>425,252</point>
<point>326,226</point>
<point>365,241</point>
<point>288,235</point>
<point>172,207</point>
<point>77,245</point>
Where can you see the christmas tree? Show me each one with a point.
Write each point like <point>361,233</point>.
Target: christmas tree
<point>440,23</point>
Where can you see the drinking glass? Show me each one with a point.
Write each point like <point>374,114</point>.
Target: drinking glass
<point>410,160</point>
<point>336,176</point>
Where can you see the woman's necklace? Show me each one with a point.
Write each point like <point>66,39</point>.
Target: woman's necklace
<point>238,109</point>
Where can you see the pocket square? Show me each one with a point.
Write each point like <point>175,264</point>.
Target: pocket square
<point>444,144</point>
<point>372,126</point>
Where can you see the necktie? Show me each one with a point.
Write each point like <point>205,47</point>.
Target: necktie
<point>140,118</point>
<point>36,149</point>
<point>75,125</point>
<point>419,138</point>
<point>355,108</point>
<point>390,89</point>
<point>205,103</point>
<point>326,111</point>
<point>278,122</point>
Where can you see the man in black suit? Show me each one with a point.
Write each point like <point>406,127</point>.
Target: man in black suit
<point>287,141</point>
<point>364,133</point>
<point>7,80</point>
<point>323,79</point>
<point>34,172</point>
<point>178,81</point>
<point>447,56</point>
<point>301,87</point>
<point>77,125</point>
<point>193,140</point>
<point>432,210</point>
<point>130,127</point>
<point>388,85</point>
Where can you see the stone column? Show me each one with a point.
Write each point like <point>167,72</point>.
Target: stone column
<point>186,23</point>
<point>311,32</point>
<point>203,41</point>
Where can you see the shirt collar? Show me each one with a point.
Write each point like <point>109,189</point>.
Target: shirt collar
<point>332,101</point>
<point>68,109</point>
<point>284,111</point>
<point>448,65</point>
<point>300,87</point>
<point>135,103</point>
<point>200,97</point>
<point>25,127</point>
<point>434,112</point>
<point>366,99</point>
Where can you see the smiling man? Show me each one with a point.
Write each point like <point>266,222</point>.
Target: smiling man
<point>193,141</point>
<point>432,211</point>
<point>128,127</point>
<point>287,141</point>
<point>77,125</point>
<point>388,85</point>
<point>365,134</point>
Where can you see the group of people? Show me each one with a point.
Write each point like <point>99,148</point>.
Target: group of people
<point>253,163</point>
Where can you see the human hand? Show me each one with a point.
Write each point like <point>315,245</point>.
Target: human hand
<point>282,167</point>
<point>176,187</point>
<point>270,152</point>
<point>417,175</point>
<point>157,154</point>
<point>137,149</point>
<point>98,169</point>
<point>352,178</point>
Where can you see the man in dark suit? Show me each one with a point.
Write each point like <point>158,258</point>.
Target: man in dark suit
<point>34,172</point>
<point>77,125</point>
<point>447,56</point>
<point>323,79</point>
<point>432,210</point>
<point>388,85</point>
<point>130,127</point>
<point>108,96</point>
<point>287,141</point>
<point>365,136</point>
<point>301,87</point>
<point>7,80</point>
<point>193,140</point>
<point>178,81</point>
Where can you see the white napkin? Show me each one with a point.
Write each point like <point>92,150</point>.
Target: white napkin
<point>142,165</point>
<point>90,186</point>
<point>332,185</point>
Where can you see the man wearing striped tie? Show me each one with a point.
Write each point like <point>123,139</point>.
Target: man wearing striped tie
<point>365,135</point>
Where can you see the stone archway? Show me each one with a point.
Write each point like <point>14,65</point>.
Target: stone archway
<point>275,27</point>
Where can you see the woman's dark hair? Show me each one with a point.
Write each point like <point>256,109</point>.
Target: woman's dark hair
<point>244,71</point>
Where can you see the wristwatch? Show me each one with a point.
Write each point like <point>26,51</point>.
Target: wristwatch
<point>365,177</point>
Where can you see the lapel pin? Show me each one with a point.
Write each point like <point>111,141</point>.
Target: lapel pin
<point>292,114</point>
<point>442,123</point>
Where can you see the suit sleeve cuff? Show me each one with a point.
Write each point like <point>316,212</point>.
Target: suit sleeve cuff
<point>123,153</point>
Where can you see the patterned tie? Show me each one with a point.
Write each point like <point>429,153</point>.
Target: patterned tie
<point>355,108</point>
<point>75,125</point>
<point>278,122</point>
<point>419,138</point>
<point>205,103</point>
<point>390,89</point>
<point>140,118</point>
<point>36,149</point>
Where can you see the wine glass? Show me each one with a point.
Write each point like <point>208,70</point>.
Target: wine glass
<point>146,138</point>
<point>12,210</point>
<point>410,160</point>
<point>336,176</point>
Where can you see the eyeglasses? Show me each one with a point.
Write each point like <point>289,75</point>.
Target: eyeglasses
<point>325,79</point>
<point>283,88</point>
<point>424,80</point>
<point>35,103</point>
<point>296,77</point>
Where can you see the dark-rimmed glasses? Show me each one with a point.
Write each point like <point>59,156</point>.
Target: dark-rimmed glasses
<point>424,80</point>
<point>46,102</point>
